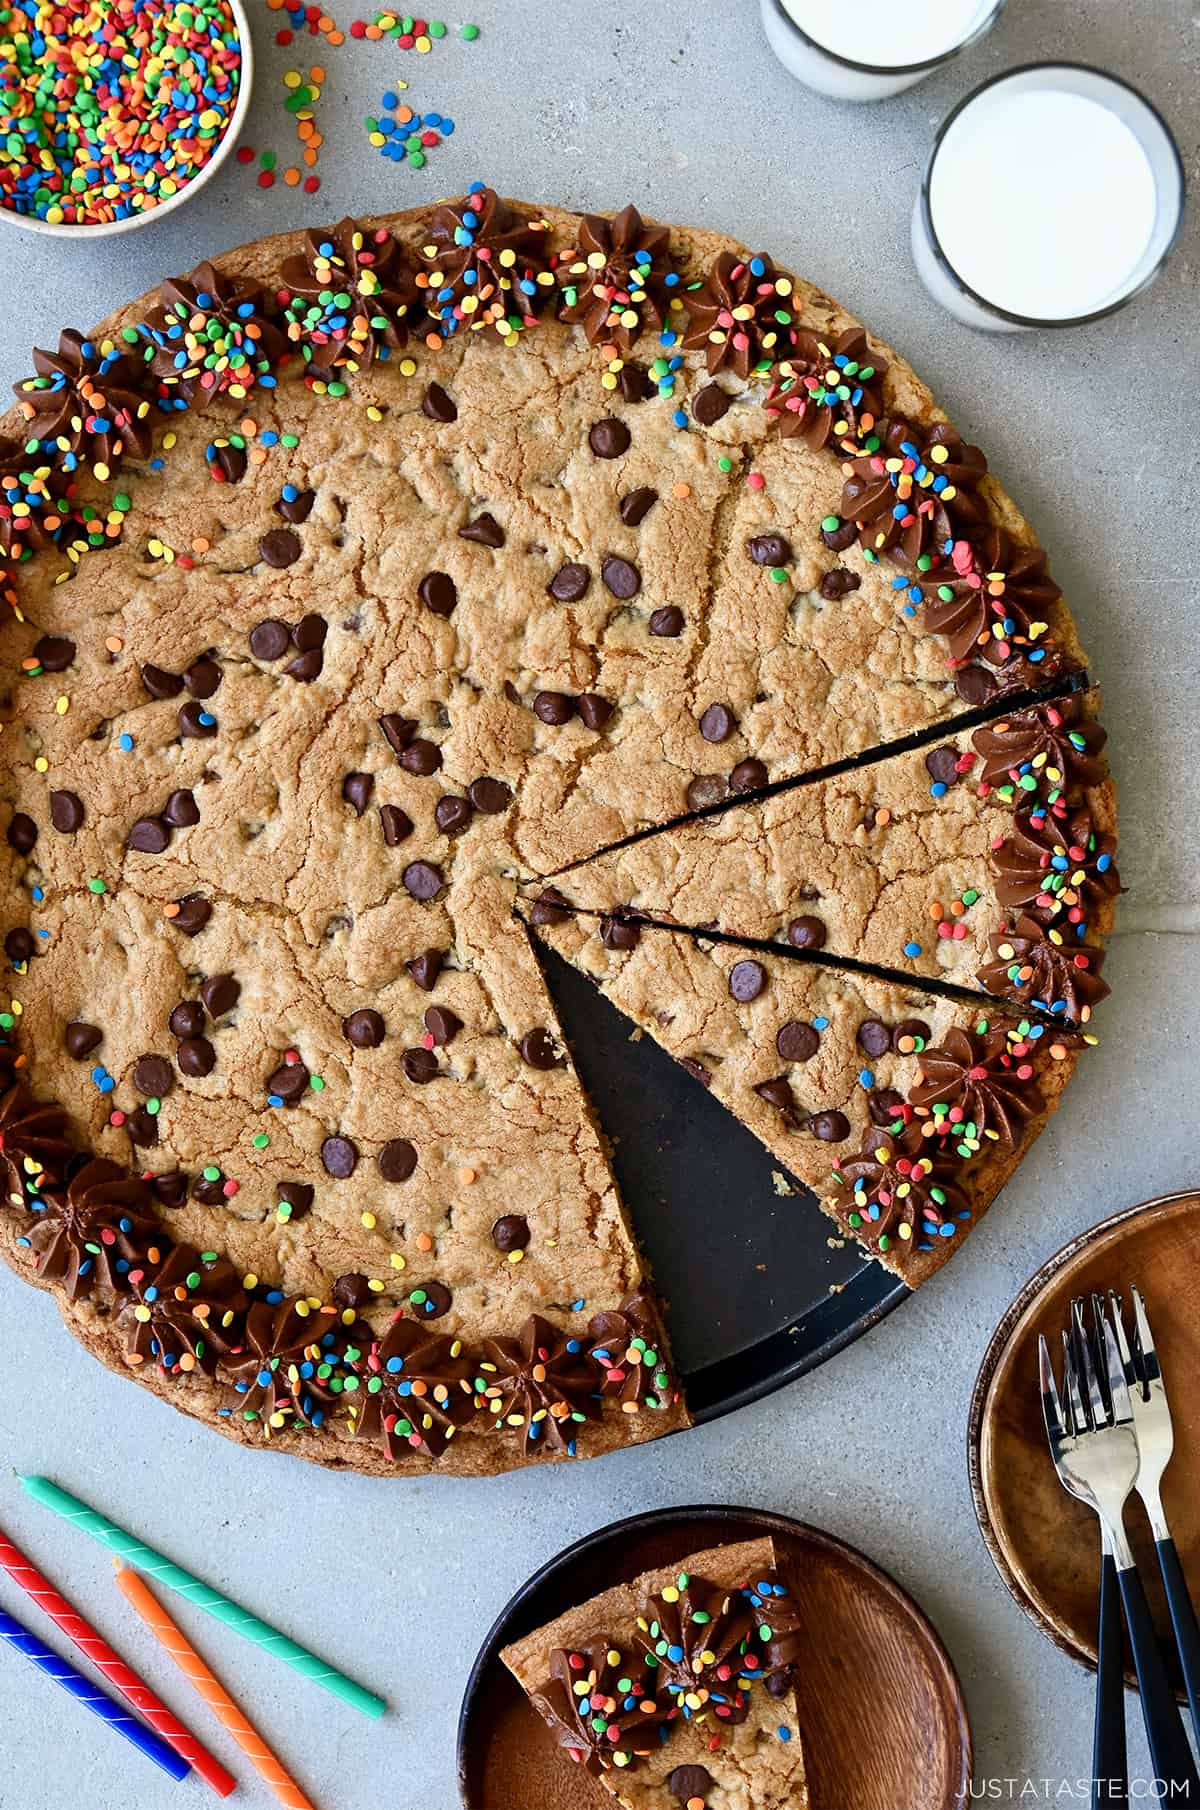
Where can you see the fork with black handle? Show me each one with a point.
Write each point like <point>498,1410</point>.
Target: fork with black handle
<point>1097,1461</point>
<point>1156,1444</point>
<point>1110,1766</point>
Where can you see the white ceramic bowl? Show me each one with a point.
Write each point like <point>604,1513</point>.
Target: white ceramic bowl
<point>67,230</point>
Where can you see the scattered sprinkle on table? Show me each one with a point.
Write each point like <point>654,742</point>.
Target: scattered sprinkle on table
<point>110,107</point>
<point>404,136</point>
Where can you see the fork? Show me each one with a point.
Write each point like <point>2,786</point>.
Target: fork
<point>1156,1443</point>
<point>1097,1461</point>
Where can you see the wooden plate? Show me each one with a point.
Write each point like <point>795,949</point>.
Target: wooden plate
<point>1046,1546</point>
<point>871,1646</point>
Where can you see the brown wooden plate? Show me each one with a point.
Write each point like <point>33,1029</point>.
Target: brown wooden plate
<point>874,1659</point>
<point>1046,1546</point>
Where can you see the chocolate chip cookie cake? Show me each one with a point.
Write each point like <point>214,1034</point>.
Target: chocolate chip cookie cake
<point>382,599</point>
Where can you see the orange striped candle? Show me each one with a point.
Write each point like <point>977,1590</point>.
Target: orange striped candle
<point>211,1689</point>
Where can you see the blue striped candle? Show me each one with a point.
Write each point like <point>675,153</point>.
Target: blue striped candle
<point>91,1696</point>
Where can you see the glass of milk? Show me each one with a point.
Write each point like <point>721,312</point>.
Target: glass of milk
<point>1053,195</point>
<point>864,50</point>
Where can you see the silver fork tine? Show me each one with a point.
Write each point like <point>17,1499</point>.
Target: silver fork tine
<point>1122,1407</point>
<point>1075,1409</point>
<point>1097,1417</point>
<point>1144,1342</point>
<point>1052,1412</point>
<point>1116,1314</point>
<point>1099,1355</point>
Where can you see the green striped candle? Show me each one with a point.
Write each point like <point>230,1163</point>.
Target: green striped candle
<point>155,1565</point>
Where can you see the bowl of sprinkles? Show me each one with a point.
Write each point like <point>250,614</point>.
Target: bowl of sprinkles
<point>112,112</point>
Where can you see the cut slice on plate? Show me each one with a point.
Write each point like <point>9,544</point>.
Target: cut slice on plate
<point>902,1109</point>
<point>676,1689</point>
<point>986,860</point>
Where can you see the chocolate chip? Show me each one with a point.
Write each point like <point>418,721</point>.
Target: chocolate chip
<point>941,764</point>
<point>747,980</point>
<point>778,1093</point>
<point>748,775</point>
<point>20,945</point>
<point>54,653</point>
<point>796,1041</point>
<point>430,1300</point>
<point>570,582</point>
<point>554,707</point>
<point>442,1024</point>
<point>398,730</point>
<point>193,914</point>
<point>619,933</point>
<point>806,933</point>
<point>397,824</point>
<point>422,879</point>
<point>297,508</point>
<point>351,1290</point>
<point>66,812</point>
<point>667,622</point>
<point>425,968</point>
<point>884,1105</point>
<point>357,789</point>
<point>150,835</point>
<point>537,1049</point>
<point>636,505</point>
<point>170,1190</point>
<point>340,1157</point>
<point>299,1196</point>
<point>364,1028</point>
<point>595,710</point>
<point>160,683</point>
<point>397,1160</point>
<point>549,908</point>
<point>288,1083</point>
<point>717,723</point>
<point>187,1019</point>
<point>769,549</point>
<point>609,438</point>
<point>420,1066</point>
<point>181,809</point>
<point>491,796</point>
<point>511,1232</point>
<point>196,1056</point>
<point>873,1037</point>
<point>830,1127</point>
<point>310,633</point>
<point>306,667</point>
<point>839,538</point>
<point>621,577</point>
<point>421,757</point>
<point>153,1076</point>
<point>911,1030</point>
<point>211,1190</point>
<point>80,1039</point>
<point>696,1070</point>
<point>838,583</point>
<point>438,592</point>
<point>710,403</point>
<point>220,993</point>
<point>269,640</point>
<point>280,547</point>
<point>485,530</point>
<point>688,1782</point>
<point>452,814</point>
<point>633,381</point>
<point>203,677</point>
<point>142,1126</point>
<point>975,685</point>
<point>196,722</point>
<point>706,789</point>
<point>437,405</point>
<point>22,833</point>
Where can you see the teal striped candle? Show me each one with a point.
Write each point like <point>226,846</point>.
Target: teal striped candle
<point>144,1558</point>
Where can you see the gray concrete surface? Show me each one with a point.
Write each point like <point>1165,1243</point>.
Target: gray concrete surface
<point>682,109</point>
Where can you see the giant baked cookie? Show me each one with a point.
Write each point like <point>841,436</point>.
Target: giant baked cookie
<point>356,586</point>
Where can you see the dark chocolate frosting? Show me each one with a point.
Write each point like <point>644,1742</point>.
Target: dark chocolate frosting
<point>350,298</point>
<point>1037,964</point>
<point>975,1086</point>
<point>695,1637</point>
<point>630,1349</point>
<point>34,1152</point>
<point>96,1230</point>
<point>187,1314</point>
<point>1054,864</point>
<point>414,1391</point>
<point>540,1384</point>
<point>989,596</point>
<point>600,1707</point>
<point>85,405</point>
<point>742,316</point>
<point>283,1373</point>
<point>1048,746</point>
<point>485,266</point>
<point>212,334</point>
<point>35,500</point>
<point>829,392</point>
<point>779,1635</point>
<point>617,283</point>
<point>899,1189</point>
<point>915,494</point>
